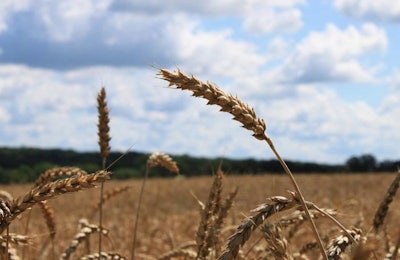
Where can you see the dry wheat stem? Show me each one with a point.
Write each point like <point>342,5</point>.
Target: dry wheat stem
<point>108,195</point>
<point>241,112</point>
<point>48,191</point>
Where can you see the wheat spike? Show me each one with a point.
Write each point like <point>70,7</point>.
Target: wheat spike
<point>48,214</point>
<point>384,206</point>
<point>340,243</point>
<point>245,229</point>
<point>162,159</point>
<point>103,128</point>
<point>277,243</point>
<point>83,235</point>
<point>241,111</point>
<point>205,233</point>
<point>8,212</point>
<point>104,256</point>
<point>58,172</point>
<point>10,254</point>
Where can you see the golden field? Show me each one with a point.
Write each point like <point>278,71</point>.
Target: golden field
<point>170,215</point>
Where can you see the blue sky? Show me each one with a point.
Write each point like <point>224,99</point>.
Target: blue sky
<point>325,75</point>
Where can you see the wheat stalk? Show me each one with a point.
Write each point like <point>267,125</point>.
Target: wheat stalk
<point>155,159</point>
<point>104,144</point>
<point>242,113</point>
<point>108,195</point>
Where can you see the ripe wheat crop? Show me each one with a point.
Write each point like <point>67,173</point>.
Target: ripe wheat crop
<point>336,216</point>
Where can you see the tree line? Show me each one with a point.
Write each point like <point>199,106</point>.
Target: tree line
<point>20,165</point>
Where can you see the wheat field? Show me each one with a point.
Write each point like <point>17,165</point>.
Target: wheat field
<point>170,215</point>
<point>289,216</point>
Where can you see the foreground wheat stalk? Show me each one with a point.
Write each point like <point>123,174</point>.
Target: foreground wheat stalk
<point>242,113</point>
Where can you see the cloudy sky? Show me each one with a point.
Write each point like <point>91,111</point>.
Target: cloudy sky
<point>325,75</point>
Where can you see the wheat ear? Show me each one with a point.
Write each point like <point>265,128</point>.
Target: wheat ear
<point>9,211</point>
<point>205,236</point>
<point>244,230</point>
<point>277,243</point>
<point>385,203</point>
<point>340,243</point>
<point>241,112</point>
<point>104,256</point>
<point>58,172</point>
<point>82,235</point>
<point>104,144</point>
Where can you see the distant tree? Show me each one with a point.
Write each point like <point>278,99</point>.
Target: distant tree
<point>363,163</point>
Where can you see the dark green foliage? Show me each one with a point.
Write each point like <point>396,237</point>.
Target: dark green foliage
<point>19,165</point>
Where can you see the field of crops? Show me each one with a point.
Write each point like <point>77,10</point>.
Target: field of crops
<point>170,216</point>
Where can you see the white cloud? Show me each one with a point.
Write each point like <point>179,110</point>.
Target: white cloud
<point>383,10</point>
<point>258,16</point>
<point>261,20</point>
<point>332,55</point>
<point>66,21</point>
<point>212,53</point>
